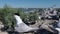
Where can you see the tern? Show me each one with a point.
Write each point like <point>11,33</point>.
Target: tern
<point>21,26</point>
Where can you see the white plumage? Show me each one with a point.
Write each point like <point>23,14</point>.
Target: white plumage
<point>22,27</point>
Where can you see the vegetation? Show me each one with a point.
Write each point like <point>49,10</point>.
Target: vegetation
<point>7,16</point>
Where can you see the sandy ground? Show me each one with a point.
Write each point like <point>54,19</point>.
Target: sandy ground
<point>46,22</point>
<point>1,26</point>
<point>3,32</point>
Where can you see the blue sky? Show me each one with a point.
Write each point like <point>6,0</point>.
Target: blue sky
<point>30,3</point>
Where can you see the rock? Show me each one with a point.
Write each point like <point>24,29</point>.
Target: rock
<point>3,32</point>
<point>1,25</point>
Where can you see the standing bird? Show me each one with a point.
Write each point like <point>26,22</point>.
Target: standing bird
<point>21,26</point>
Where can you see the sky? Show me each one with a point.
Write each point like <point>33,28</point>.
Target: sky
<point>30,3</point>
